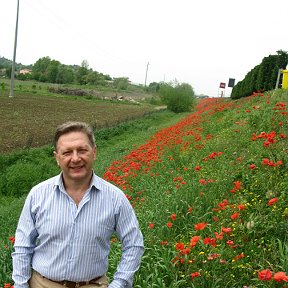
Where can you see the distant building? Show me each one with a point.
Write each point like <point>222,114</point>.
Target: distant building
<point>25,71</point>
<point>3,72</point>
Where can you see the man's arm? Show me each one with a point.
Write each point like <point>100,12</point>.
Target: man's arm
<point>127,229</point>
<point>24,247</point>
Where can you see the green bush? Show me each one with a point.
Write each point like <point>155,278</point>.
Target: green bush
<point>178,97</point>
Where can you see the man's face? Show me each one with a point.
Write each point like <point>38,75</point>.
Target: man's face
<point>75,156</point>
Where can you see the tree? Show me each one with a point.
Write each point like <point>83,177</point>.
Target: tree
<point>65,75</point>
<point>177,97</point>
<point>39,69</point>
<point>82,72</point>
<point>52,71</point>
<point>121,83</point>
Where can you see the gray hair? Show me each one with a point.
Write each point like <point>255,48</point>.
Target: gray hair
<point>74,126</point>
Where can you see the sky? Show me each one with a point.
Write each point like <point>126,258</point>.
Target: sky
<point>202,43</point>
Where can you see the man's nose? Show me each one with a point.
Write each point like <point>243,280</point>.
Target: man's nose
<point>75,156</point>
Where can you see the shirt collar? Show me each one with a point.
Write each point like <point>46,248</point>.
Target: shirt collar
<point>58,184</point>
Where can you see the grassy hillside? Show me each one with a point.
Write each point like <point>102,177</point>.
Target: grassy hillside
<point>211,196</point>
<point>210,193</point>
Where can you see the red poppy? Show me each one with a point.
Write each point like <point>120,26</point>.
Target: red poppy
<point>234,216</point>
<point>194,240</point>
<point>190,209</point>
<point>226,230</point>
<point>151,225</point>
<point>200,226</point>
<point>241,207</point>
<point>12,239</point>
<point>280,276</point>
<point>173,217</point>
<point>179,246</point>
<point>272,201</point>
<point>169,225</point>
<point>265,275</point>
<point>252,166</point>
<point>203,181</point>
<point>240,256</point>
<point>195,274</point>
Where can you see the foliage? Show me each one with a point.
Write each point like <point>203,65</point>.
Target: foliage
<point>121,83</point>
<point>210,193</point>
<point>211,196</point>
<point>262,77</point>
<point>178,97</point>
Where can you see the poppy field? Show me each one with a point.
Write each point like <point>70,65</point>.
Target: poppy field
<point>210,194</point>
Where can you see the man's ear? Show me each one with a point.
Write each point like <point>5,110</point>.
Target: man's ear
<point>56,156</point>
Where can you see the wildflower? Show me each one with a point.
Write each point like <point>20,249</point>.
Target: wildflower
<point>169,225</point>
<point>151,225</point>
<point>240,256</point>
<point>173,217</point>
<point>234,216</point>
<point>190,209</point>
<point>265,275</point>
<point>203,181</point>
<point>194,240</point>
<point>198,168</point>
<point>209,241</point>
<point>252,166</point>
<point>12,239</point>
<point>219,236</point>
<point>272,201</point>
<point>213,256</point>
<point>237,186</point>
<point>241,207</point>
<point>280,276</point>
<point>226,230</point>
<point>180,246</point>
<point>230,242</point>
<point>200,226</point>
<point>195,274</point>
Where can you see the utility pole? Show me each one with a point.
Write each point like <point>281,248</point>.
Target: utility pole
<point>14,54</point>
<point>146,73</point>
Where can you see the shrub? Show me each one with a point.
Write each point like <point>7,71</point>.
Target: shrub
<point>178,98</point>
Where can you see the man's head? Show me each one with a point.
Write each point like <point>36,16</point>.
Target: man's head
<point>73,126</point>
<point>75,151</point>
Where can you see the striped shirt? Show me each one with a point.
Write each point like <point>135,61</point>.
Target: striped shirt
<point>64,242</point>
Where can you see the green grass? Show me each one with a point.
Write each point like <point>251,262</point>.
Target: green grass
<point>207,167</point>
<point>219,141</point>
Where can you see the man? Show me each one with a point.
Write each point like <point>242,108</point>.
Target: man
<point>63,234</point>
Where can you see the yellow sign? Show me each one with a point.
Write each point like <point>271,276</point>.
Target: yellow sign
<point>285,79</point>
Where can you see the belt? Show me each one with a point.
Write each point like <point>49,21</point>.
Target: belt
<point>71,284</point>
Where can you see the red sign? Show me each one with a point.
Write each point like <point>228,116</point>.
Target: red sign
<point>222,85</point>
